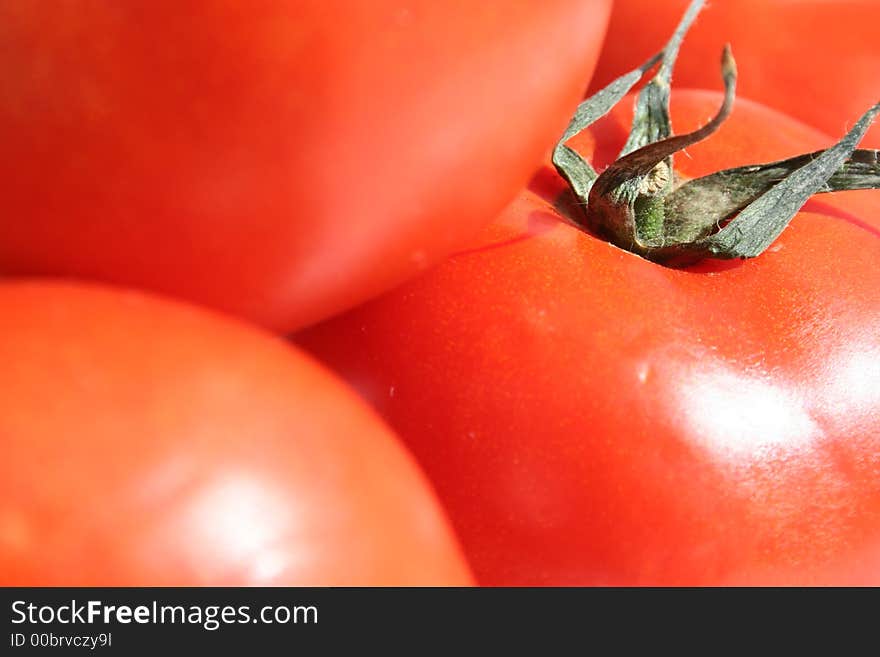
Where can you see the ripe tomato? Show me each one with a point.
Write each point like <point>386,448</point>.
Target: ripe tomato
<point>149,444</point>
<point>590,417</point>
<point>813,59</point>
<point>282,160</point>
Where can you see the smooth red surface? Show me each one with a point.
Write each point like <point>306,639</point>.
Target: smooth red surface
<point>589,417</point>
<point>816,60</point>
<point>281,161</point>
<point>145,443</point>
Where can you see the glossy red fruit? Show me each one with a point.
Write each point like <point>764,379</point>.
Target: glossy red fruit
<point>589,417</point>
<point>146,443</point>
<point>281,161</point>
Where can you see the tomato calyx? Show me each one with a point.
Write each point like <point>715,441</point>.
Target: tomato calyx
<point>640,205</point>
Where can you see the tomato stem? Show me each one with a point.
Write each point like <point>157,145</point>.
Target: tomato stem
<point>638,204</point>
<point>627,202</point>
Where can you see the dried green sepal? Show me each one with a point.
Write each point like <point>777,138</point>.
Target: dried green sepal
<point>575,169</point>
<point>758,224</point>
<point>713,200</point>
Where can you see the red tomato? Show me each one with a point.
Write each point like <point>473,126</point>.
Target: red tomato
<point>150,444</point>
<point>590,417</point>
<point>813,59</point>
<point>281,160</point>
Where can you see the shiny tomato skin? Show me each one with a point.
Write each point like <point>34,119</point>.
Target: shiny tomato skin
<point>591,418</point>
<point>815,60</point>
<point>146,443</point>
<point>281,161</point>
